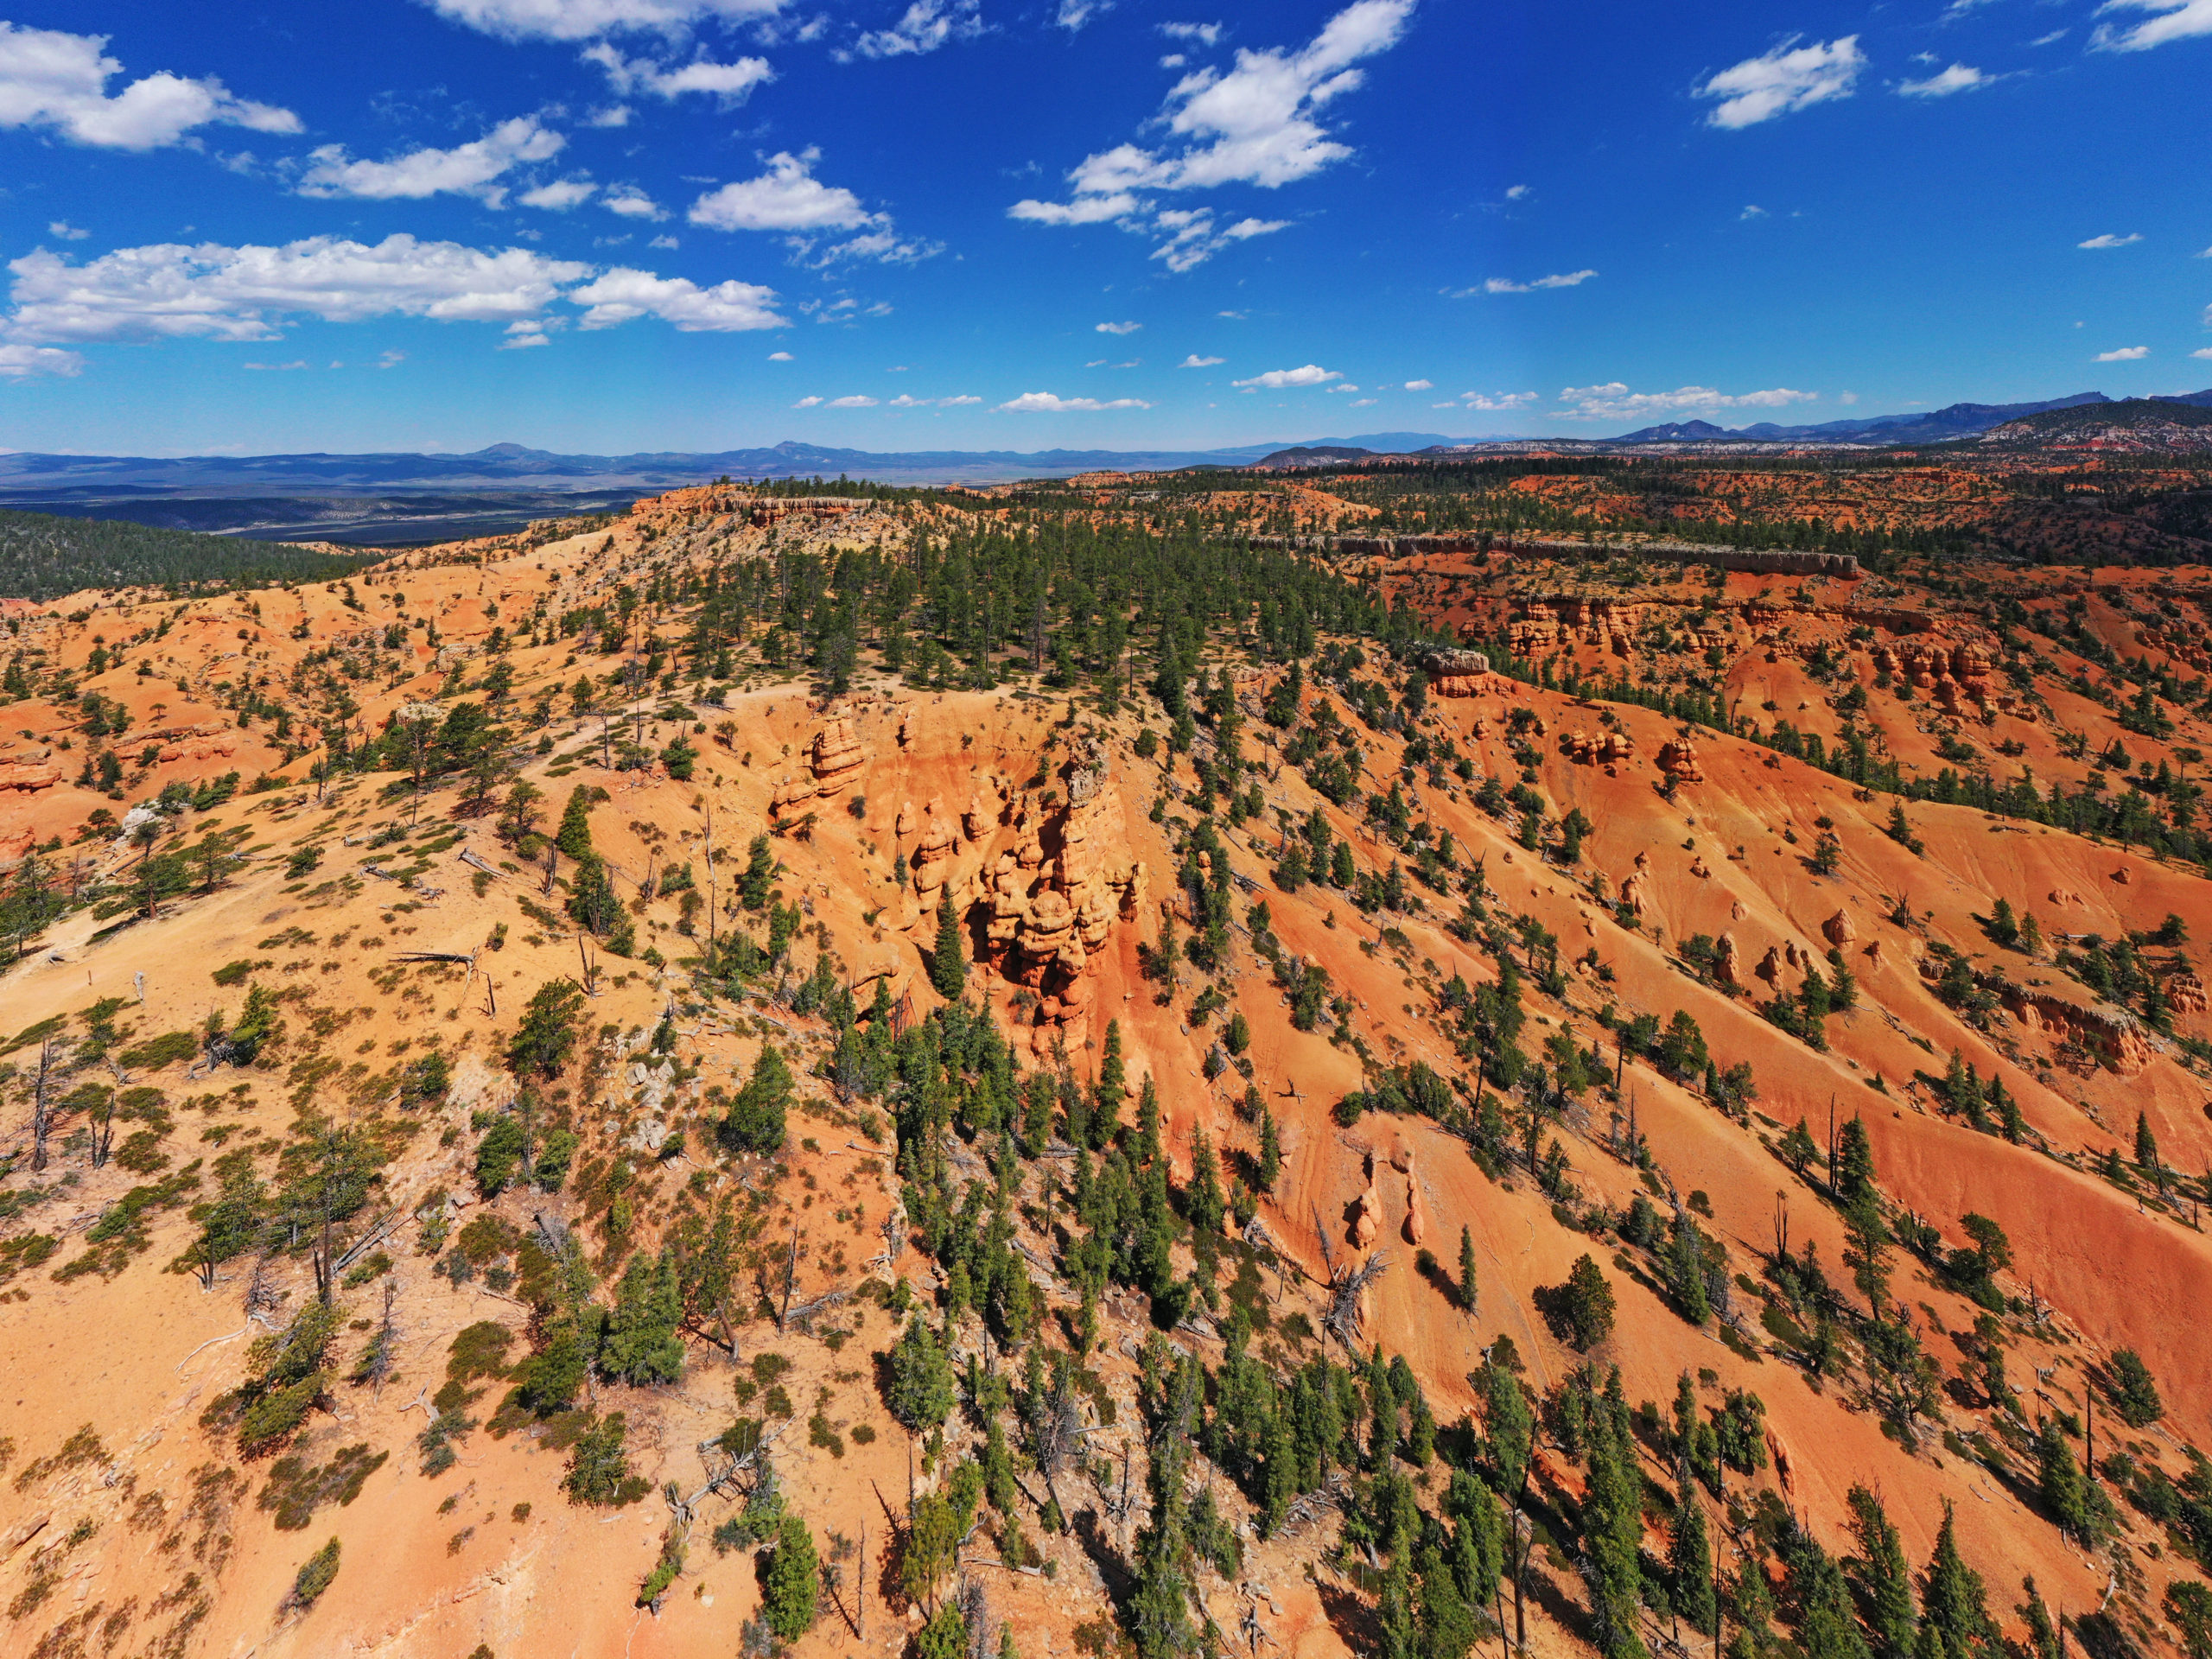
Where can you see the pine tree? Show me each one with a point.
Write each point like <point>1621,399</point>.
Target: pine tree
<point>1689,1563</point>
<point>1202,1199</point>
<point>794,1582</point>
<point>2043,1635</point>
<point>1270,1151</point>
<point>1884,1574</point>
<point>1612,1531</point>
<point>921,1378</point>
<point>574,836</point>
<point>2146,1145</point>
<point>1686,1269</point>
<point>1112,1089</point>
<point>948,959</point>
<point>759,877</point>
<point>1853,1174</point>
<point>1470,1285</point>
<point>641,1345</point>
<point>755,1122</point>
<point>2065,1493</point>
<point>1952,1603</point>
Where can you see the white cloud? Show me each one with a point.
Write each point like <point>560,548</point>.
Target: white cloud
<point>780,357</point>
<point>926,25</point>
<point>1503,400</point>
<point>726,308</point>
<point>521,336</point>
<point>632,203</point>
<point>1959,78</point>
<point>1516,192</point>
<point>2201,352</point>
<point>274,368</point>
<point>1173,60</point>
<point>1074,14</point>
<point>663,240</point>
<point>2109,240</point>
<point>21,362</point>
<point>806,403</point>
<point>58,80</point>
<point>856,401</point>
<point>470,169</point>
<point>1506,285</point>
<point>1614,401</point>
<point>1346,386</point>
<point>1035,402</point>
<point>1194,361</point>
<point>560,195</point>
<point>1206,35</point>
<point>902,401</point>
<point>2125,355</point>
<point>63,231</point>
<point>730,83</point>
<point>390,359</point>
<point>1360,402</point>
<point>616,115</point>
<point>2173,19</point>
<point>1791,76</point>
<point>1753,210</point>
<point>958,403</point>
<point>1234,316</point>
<point>1256,123</point>
<point>787,197</point>
<point>1312,374</point>
<point>1420,385</point>
<point>584,20</point>
<point>1119,327</point>
<point>1192,239</point>
<point>2051,39</point>
<point>213,292</point>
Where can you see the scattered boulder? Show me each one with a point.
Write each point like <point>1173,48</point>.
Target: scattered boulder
<point>1839,930</point>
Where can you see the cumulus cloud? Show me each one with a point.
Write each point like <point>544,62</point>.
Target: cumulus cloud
<point>623,294</point>
<point>789,199</point>
<point>1360,402</point>
<point>213,292</point>
<point>2205,351</point>
<point>1312,374</point>
<point>1959,78</point>
<point>2109,240</point>
<point>780,357</point>
<point>1614,401</point>
<point>51,79</point>
<point>806,403</point>
<point>1495,401</point>
<point>1119,327</point>
<point>855,401</point>
<point>1194,361</point>
<point>1516,192</point>
<point>958,403</point>
<point>1207,34</point>
<point>1254,124</point>
<point>21,362</point>
<point>2125,355</point>
<point>1507,285</point>
<point>926,26</point>
<point>521,336</point>
<point>2171,20</point>
<point>585,20</point>
<point>1045,402</point>
<point>730,83</point>
<point>1791,76</point>
<point>1420,385</point>
<point>560,195</point>
<point>1074,14</point>
<point>1345,386</point>
<point>632,203</point>
<point>470,169</point>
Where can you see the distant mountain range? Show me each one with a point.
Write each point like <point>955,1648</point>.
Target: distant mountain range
<point>1942,426</point>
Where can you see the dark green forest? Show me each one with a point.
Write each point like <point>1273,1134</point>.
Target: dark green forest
<point>43,557</point>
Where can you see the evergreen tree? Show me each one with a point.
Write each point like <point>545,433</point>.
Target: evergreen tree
<point>2146,1146</point>
<point>1686,1269</point>
<point>794,1581</point>
<point>641,1345</point>
<point>2043,1635</point>
<point>1885,1575</point>
<point>757,880</point>
<point>948,959</point>
<point>1853,1174</point>
<point>1586,1303</point>
<point>1470,1285</point>
<point>1612,1530</point>
<point>574,836</point>
<point>755,1122</point>
<point>1689,1563</point>
<point>2134,1391</point>
<point>1952,1603</point>
<point>1270,1151</point>
<point>921,1378</point>
<point>547,1030</point>
<point>1202,1199</point>
<point>1112,1089</point>
<point>2065,1493</point>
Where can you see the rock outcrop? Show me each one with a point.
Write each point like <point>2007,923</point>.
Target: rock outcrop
<point>1678,759</point>
<point>837,757</point>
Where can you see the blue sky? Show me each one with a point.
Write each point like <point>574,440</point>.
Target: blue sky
<point>626,224</point>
